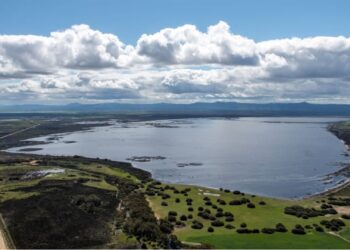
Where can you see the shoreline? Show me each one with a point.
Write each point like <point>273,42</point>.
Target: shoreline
<point>332,128</point>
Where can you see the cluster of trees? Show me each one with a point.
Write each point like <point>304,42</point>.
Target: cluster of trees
<point>138,218</point>
<point>333,224</point>
<point>339,201</point>
<point>306,213</point>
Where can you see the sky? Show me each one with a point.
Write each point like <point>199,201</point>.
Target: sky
<point>89,51</point>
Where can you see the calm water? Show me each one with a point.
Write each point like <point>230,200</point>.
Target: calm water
<point>281,157</point>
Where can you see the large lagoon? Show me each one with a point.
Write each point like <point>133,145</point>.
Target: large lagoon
<point>280,157</point>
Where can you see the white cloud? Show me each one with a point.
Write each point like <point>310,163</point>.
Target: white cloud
<point>180,64</point>
<point>187,45</point>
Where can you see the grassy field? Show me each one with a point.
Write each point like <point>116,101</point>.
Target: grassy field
<point>262,216</point>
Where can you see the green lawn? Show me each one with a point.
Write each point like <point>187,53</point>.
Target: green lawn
<point>256,218</point>
<point>277,241</point>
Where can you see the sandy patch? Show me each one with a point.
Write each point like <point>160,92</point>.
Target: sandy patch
<point>212,194</point>
<point>342,210</point>
<point>152,207</point>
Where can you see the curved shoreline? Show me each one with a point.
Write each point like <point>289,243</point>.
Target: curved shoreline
<point>333,128</point>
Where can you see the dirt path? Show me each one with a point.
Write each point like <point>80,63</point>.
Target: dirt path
<point>339,236</point>
<point>19,131</point>
<point>2,241</point>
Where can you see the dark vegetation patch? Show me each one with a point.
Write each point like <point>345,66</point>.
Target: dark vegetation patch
<point>66,215</point>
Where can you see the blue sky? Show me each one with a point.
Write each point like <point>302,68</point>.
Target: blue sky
<point>138,51</point>
<point>256,19</point>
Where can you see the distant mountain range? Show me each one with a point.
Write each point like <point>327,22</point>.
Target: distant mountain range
<point>217,108</point>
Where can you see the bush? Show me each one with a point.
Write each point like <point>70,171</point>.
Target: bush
<point>229,226</point>
<point>346,216</point>
<point>262,203</point>
<point>183,217</point>
<point>208,203</point>
<point>228,214</point>
<point>268,230</point>
<point>298,230</point>
<point>171,218</point>
<point>326,206</point>
<point>227,190</point>
<point>214,206</point>
<point>200,208</point>
<point>206,198</point>
<point>180,223</point>
<point>250,205</point>
<point>281,228</point>
<point>219,214</point>
<point>164,204</point>
<point>217,223</point>
<point>197,224</point>
<point>229,219</point>
<point>221,202</point>
<point>219,209</point>
<point>243,225</point>
<point>236,192</point>
<point>189,200</point>
<point>177,200</point>
<point>235,203</point>
<point>247,231</point>
<point>210,229</point>
<point>172,213</point>
<point>319,229</point>
<point>190,209</point>
<point>190,216</point>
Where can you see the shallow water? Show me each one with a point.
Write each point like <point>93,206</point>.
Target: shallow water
<point>280,157</point>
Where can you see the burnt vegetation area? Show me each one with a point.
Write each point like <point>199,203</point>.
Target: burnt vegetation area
<point>67,213</point>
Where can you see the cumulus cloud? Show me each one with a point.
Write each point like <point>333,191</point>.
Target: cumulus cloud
<point>78,47</point>
<point>180,64</point>
<point>187,45</point>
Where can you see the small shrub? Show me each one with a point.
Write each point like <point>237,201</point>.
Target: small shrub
<point>210,229</point>
<point>243,225</point>
<point>229,226</point>
<point>262,203</point>
<point>172,213</point>
<point>228,214</point>
<point>217,223</point>
<point>190,216</point>
<point>164,204</point>
<point>190,209</point>
<point>197,225</point>
<point>250,205</point>
<point>171,218</point>
<point>236,192</point>
<point>346,216</point>
<point>229,219</point>
<point>219,214</point>
<point>177,200</point>
<point>200,208</point>
<point>281,228</point>
<point>268,230</point>
<point>183,217</point>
